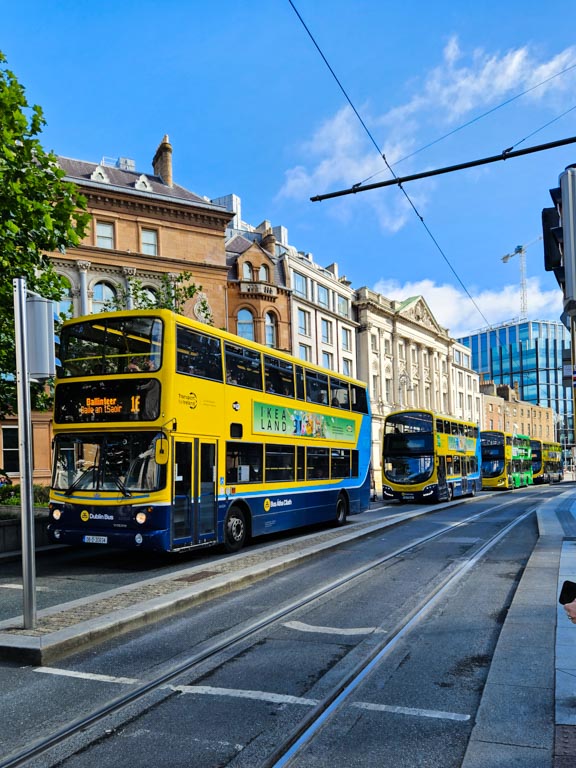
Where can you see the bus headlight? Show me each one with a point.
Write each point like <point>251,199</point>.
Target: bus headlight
<point>56,514</point>
<point>140,518</point>
<point>138,538</point>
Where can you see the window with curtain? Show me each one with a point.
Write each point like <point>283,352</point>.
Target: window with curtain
<point>270,327</point>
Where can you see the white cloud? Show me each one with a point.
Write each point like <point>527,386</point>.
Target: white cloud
<point>454,310</point>
<point>339,153</point>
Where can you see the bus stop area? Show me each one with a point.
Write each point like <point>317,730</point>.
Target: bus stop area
<point>533,667</point>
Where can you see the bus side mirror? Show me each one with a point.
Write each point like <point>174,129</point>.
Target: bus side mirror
<point>161,451</point>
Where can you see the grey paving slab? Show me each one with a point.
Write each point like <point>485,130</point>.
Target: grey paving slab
<point>482,755</point>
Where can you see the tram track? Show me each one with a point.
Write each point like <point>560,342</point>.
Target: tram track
<point>308,726</point>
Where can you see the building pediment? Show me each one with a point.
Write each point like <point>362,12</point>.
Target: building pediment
<point>417,311</point>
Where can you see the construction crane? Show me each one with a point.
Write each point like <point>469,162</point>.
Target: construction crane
<point>520,251</point>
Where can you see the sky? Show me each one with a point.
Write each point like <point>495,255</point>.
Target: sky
<point>252,107</point>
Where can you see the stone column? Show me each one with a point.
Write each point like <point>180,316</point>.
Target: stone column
<point>129,272</point>
<point>83,267</point>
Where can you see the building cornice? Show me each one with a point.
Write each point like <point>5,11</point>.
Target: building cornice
<point>177,211</point>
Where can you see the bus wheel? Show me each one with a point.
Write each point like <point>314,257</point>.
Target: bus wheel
<point>473,491</point>
<point>341,510</point>
<point>234,530</point>
<point>450,493</point>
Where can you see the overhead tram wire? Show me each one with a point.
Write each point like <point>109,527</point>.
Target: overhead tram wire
<point>550,122</point>
<point>506,154</point>
<point>397,181</point>
<point>479,117</point>
<point>383,156</point>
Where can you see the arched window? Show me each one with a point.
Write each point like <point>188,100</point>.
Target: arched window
<point>270,326</point>
<point>247,270</point>
<point>65,306</point>
<point>246,324</point>
<point>103,293</point>
<point>263,274</point>
<point>150,296</point>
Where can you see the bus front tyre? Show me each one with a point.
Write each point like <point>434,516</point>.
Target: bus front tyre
<point>341,510</point>
<point>450,493</point>
<point>234,530</point>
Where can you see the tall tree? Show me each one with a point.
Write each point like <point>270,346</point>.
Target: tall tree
<point>39,213</point>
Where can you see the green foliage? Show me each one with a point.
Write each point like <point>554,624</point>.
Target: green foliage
<point>39,213</point>
<point>10,494</point>
<point>173,293</point>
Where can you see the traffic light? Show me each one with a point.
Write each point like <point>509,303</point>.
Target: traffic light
<point>559,236</point>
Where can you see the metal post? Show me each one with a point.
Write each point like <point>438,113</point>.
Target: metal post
<point>573,349</point>
<point>25,453</point>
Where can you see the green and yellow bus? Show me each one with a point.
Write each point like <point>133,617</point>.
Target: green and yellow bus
<point>506,460</point>
<point>546,461</point>
<point>171,435</point>
<point>429,457</point>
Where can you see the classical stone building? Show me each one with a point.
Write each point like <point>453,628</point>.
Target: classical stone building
<point>317,301</point>
<point>408,359</point>
<point>143,226</point>
<point>258,300</point>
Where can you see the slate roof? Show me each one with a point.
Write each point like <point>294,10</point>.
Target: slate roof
<point>81,171</point>
<point>238,245</point>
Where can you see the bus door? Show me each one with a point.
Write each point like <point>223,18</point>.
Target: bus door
<point>205,494</point>
<point>442,486</point>
<point>194,502</point>
<point>464,465</point>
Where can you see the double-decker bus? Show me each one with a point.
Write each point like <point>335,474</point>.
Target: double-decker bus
<point>506,460</point>
<point>429,457</point>
<point>521,461</point>
<point>546,461</point>
<point>171,435</point>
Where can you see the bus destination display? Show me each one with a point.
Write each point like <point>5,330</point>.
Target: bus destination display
<point>107,401</point>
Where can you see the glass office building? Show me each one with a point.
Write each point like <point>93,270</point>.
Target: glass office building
<point>527,354</point>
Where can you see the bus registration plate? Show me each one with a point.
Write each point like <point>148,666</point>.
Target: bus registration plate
<point>95,539</point>
<point>407,496</point>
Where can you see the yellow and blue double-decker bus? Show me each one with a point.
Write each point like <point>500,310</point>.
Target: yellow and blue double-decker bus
<point>429,457</point>
<point>506,460</point>
<point>496,460</point>
<point>546,461</point>
<point>171,435</point>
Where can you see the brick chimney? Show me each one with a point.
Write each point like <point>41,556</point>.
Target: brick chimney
<point>162,162</point>
<point>269,242</point>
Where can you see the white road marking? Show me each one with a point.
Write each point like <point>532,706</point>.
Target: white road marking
<point>302,627</point>
<point>274,698</point>
<point>21,587</point>
<point>86,675</point>
<point>409,711</point>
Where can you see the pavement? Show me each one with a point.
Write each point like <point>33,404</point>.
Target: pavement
<point>532,673</point>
